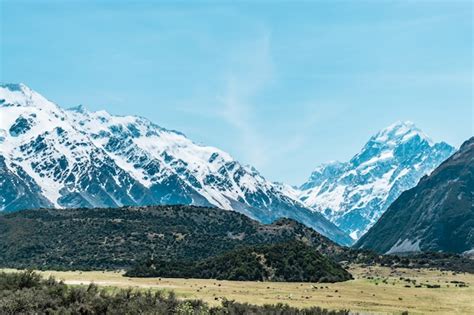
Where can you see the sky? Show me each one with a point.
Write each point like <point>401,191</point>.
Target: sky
<point>280,85</point>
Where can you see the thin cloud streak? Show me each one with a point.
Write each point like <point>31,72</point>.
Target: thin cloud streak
<point>250,71</point>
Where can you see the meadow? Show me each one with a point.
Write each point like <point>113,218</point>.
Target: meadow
<point>375,290</point>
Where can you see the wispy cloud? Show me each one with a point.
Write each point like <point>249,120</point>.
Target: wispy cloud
<point>250,70</point>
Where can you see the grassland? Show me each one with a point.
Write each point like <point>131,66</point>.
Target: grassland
<point>375,290</point>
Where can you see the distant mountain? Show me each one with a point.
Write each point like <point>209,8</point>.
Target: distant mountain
<point>436,215</point>
<point>354,194</point>
<point>116,238</point>
<point>51,157</point>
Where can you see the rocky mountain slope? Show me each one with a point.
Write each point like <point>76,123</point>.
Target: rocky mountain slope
<point>354,194</point>
<point>76,158</point>
<point>436,215</point>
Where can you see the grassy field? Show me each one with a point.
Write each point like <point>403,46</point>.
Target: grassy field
<point>376,290</point>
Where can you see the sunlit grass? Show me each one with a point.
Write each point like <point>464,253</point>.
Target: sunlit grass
<point>377,289</point>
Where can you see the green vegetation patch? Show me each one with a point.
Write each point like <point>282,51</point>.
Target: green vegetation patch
<point>118,238</point>
<point>291,261</point>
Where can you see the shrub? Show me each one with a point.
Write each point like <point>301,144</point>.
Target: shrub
<point>27,293</point>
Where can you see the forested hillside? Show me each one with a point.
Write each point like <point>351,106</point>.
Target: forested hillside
<point>121,237</point>
<point>292,261</point>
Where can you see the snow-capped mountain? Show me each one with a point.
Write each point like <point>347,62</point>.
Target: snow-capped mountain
<point>436,215</point>
<point>354,194</point>
<point>52,157</point>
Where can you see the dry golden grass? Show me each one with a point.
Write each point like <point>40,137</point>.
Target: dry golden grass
<point>384,293</point>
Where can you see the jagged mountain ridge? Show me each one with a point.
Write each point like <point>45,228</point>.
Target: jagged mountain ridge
<point>436,215</point>
<point>76,158</point>
<point>354,194</point>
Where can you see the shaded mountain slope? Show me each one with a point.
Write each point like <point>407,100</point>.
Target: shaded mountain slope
<point>436,215</point>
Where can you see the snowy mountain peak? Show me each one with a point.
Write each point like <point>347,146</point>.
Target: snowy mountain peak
<point>401,124</point>
<point>79,109</point>
<point>354,194</point>
<point>14,87</point>
<point>328,165</point>
<point>398,141</point>
<point>400,131</point>
<point>18,94</point>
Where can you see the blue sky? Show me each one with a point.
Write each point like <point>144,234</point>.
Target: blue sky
<point>281,85</point>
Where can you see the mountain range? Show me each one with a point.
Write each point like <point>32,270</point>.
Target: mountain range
<point>354,194</point>
<point>437,215</point>
<point>52,157</point>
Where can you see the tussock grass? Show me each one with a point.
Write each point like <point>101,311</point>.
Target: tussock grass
<point>374,290</point>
